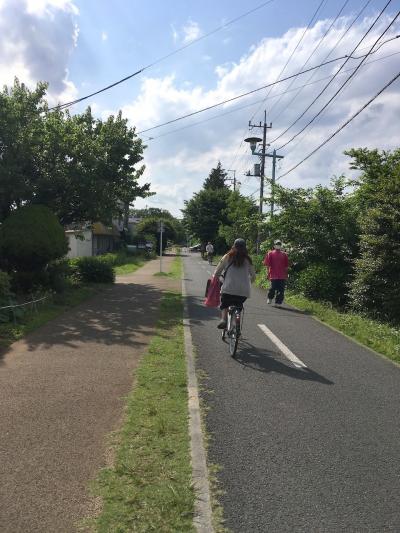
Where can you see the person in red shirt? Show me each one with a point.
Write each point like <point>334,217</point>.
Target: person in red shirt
<point>277,263</point>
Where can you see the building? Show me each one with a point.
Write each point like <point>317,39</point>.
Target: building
<point>92,240</point>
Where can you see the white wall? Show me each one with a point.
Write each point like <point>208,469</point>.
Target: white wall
<point>78,247</point>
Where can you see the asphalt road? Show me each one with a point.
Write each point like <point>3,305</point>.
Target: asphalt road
<point>313,448</point>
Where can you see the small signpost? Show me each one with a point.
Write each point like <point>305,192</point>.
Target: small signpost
<point>161,230</point>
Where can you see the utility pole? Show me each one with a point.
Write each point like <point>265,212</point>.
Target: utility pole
<point>262,155</point>
<point>161,229</point>
<point>232,179</point>
<point>274,156</point>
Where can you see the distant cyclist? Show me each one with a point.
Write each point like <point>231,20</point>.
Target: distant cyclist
<point>277,263</point>
<point>237,268</point>
<point>210,252</point>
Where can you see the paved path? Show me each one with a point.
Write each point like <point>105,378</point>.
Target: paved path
<point>313,448</point>
<point>61,394</point>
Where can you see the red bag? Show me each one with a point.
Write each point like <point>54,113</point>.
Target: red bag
<point>213,293</point>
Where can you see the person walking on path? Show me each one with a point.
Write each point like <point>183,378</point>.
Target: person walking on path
<point>277,263</point>
<point>210,252</point>
<point>238,274</point>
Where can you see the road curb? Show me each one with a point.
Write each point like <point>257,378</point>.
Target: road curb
<point>203,514</point>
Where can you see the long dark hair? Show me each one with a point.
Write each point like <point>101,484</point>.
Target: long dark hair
<point>238,255</point>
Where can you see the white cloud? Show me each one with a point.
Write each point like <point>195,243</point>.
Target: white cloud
<point>43,7</point>
<point>179,163</point>
<point>36,40</point>
<point>104,36</point>
<point>191,31</point>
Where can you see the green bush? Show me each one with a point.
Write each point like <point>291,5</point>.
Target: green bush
<point>5,295</point>
<point>93,270</point>
<point>23,282</point>
<point>30,238</point>
<point>323,282</point>
<point>5,286</point>
<point>258,262</point>
<point>59,274</point>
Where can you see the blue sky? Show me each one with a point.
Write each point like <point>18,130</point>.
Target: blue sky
<point>80,46</point>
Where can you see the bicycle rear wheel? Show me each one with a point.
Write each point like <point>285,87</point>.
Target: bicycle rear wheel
<point>233,341</point>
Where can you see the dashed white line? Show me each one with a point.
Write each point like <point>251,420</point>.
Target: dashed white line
<point>284,349</point>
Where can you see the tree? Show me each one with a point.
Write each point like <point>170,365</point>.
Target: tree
<point>91,174</point>
<point>242,220</point>
<point>21,133</point>
<point>376,285</point>
<point>83,168</point>
<point>30,238</point>
<point>319,226</point>
<point>163,214</point>
<point>205,213</point>
<point>151,212</point>
<point>150,226</point>
<point>216,179</point>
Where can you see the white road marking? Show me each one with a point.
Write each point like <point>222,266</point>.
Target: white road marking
<point>284,349</point>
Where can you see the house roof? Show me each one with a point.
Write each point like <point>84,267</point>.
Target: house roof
<point>98,228</point>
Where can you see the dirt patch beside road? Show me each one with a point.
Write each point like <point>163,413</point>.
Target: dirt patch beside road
<point>62,392</point>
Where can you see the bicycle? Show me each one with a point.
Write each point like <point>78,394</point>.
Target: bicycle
<point>233,328</point>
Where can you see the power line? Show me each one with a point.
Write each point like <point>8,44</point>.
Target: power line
<point>281,72</point>
<point>329,82</point>
<point>310,56</point>
<point>292,54</point>
<point>170,54</point>
<point>301,140</point>
<point>313,73</point>
<point>240,108</point>
<point>239,96</point>
<point>342,126</point>
<point>329,53</point>
<point>247,93</point>
<point>342,86</point>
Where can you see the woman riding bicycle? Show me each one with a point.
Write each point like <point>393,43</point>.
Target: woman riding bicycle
<point>239,273</point>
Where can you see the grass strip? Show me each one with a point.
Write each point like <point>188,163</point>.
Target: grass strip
<point>131,264</point>
<point>175,272</point>
<point>378,336</point>
<point>55,306</point>
<point>149,487</point>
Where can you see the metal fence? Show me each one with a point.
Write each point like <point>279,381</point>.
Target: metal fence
<point>32,303</point>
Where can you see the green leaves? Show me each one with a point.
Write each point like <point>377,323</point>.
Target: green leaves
<point>85,169</point>
<point>30,238</point>
<point>206,212</point>
<point>150,226</point>
<point>376,285</point>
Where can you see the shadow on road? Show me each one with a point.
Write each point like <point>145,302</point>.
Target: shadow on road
<point>280,310</point>
<point>122,315</point>
<point>265,361</point>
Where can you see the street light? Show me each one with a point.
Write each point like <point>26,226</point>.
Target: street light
<point>253,143</point>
